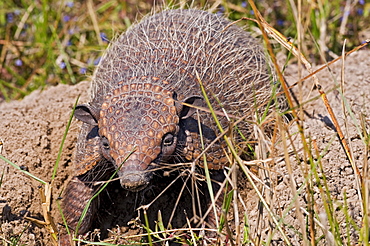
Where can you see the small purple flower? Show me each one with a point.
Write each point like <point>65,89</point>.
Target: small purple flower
<point>362,2</point>
<point>244,4</point>
<point>97,60</point>
<point>10,17</point>
<point>66,18</point>
<point>103,37</point>
<point>18,62</point>
<point>69,4</point>
<point>83,70</point>
<point>69,43</point>
<point>62,65</point>
<point>280,22</point>
<point>251,12</point>
<point>221,11</point>
<point>360,11</point>
<point>23,34</point>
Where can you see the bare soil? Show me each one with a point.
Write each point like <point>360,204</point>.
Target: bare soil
<point>32,130</point>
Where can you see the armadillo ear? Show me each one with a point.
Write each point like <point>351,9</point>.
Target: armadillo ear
<point>187,111</point>
<point>87,113</point>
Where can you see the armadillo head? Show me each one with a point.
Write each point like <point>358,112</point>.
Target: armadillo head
<point>138,126</point>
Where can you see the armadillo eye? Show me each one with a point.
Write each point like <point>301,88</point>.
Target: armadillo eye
<point>105,143</point>
<point>168,139</point>
<point>169,142</point>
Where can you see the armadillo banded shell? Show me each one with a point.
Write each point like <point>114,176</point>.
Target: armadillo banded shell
<point>173,46</point>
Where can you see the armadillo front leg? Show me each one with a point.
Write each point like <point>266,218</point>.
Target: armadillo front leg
<point>216,159</point>
<point>192,145</point>
<point>74,202</point>
<point>80,189</point>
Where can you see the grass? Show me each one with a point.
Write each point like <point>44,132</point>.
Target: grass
<point>45,43</point>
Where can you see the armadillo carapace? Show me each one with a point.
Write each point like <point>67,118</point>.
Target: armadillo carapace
<point>139,88</point>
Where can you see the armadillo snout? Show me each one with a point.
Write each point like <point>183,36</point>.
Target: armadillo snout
<point>134,180</point>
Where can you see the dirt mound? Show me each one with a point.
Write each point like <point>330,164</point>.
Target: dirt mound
<point>32,131</point>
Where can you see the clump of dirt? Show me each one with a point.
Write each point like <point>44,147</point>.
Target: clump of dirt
<point>32,130</point>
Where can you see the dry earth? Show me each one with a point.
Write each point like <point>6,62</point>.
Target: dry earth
<point>32,131</point>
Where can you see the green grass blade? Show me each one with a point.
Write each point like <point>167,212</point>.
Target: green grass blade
<point>63,140</point>
<point>23,171</point>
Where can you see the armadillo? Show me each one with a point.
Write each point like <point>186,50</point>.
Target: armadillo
<point>146,101</point>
